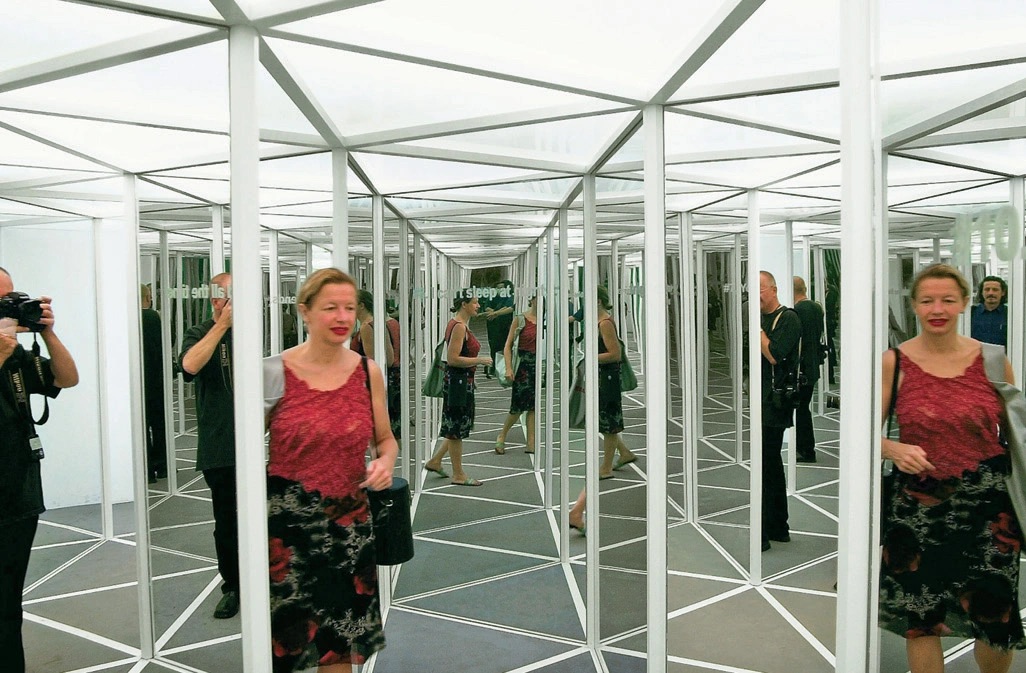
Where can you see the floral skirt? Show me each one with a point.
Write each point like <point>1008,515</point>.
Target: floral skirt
<point>457,403</point>
<point>950,563</point>
<point>522,396</point>
<point>324,598</point>
<point>395,409</point>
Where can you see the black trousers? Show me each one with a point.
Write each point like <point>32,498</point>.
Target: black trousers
<point>14,561</point>
<point>156,440</point>
<point>774,484</point>
<point>221,481</point>
<point>806,440</point>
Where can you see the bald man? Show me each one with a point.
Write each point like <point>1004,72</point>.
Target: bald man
<point>21,492</point>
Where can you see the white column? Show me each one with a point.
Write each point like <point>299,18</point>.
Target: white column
<point>216,240</point>
<point>937,250</point>
<point>180,333</point>
<point>551,315</point>
<point>566,374</point>
<point>656,382</point>
<point>737,339</point>
<point>402,298</point>
<point>702,306</point>
<point>690,387</point>
<point>166,347</point>
<point>787,298</point>
<point>821,285</point>
<point>592,631</point>
<point>274,290</point>
<point>131,300</point>
<point>615,287</point>
<point>754,389</point>
<point>247,345</point>
<point>422,350</point>
<point>378,280</point>
<point>1016,278</point>
<point>340,209</point>
<point>862,284</point>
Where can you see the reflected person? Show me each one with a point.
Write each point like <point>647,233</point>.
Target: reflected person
<point>524,331</point>
<point>21,490</point>
<point>810,313</point>
<point>499,314</point>
<point>207,360</point>
<point>990,316</point>
<point>153,389</point>
<point>781,330</point>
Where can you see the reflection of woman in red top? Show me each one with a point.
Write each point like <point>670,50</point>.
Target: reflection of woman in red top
<point>950,539</point>
<point>458,390</point>
<point>522,395</point>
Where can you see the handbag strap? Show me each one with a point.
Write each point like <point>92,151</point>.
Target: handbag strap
<point>894,390</point>
<point>366,381</point>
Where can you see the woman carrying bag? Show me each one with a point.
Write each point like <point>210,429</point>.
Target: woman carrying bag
<point>458,390</point>
<point>524,332</point>
<point>951,538</point>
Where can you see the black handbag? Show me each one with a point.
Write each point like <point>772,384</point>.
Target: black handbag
<point>390,512</point>
<point>393,526</point>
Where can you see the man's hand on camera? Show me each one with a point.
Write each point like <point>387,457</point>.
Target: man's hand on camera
<point>7,346</point>
<point>47,320</point>
<point>225,318</point>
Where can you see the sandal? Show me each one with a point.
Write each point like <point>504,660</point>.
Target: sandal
<point>580,529</point>
<point>606,476</point>
<point>621,462</point>
<point>439,471</point>
<point>500,447</point>
<point>466,482</point>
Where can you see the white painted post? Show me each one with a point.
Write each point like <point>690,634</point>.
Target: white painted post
<point>754,388</point>
<point>247,344</point>
<point>340,208</point>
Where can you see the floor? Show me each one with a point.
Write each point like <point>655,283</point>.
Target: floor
<point>486,591</point>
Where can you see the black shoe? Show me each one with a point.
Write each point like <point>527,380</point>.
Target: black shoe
<point>766,545</point>
<point>785,537</point>
<point>806,459</point>
<point>228,606</point>
<point>153,478</point>
<point>160,473</point>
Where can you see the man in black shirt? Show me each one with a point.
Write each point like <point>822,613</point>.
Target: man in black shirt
<point>781,330</point>
<point>153,388</point>
<point>21,492</point>
<point>811,315</point>
<point>207,359</point>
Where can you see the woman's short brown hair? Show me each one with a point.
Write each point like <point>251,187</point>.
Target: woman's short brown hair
<point>316,281</point>
<point>462,297</point>
<point>941,271</point>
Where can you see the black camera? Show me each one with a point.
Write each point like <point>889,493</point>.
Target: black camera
<point>27,311</point>
<point>785,396</point>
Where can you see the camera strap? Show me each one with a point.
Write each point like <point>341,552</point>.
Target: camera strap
<point>773,328</point>
<point>17,382</point>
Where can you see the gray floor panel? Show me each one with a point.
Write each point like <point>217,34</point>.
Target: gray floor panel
<point>198,539</point>
<point>771,645</point>
<point>173,595</point>
<point>820,576</point>
<point>217,658</point>
<point>689,551</point>
<point>86,517</point>
<point>622,663</point>
<point>179,510</point>
<point>110,563</point>
<point>48,650</point>
<point>685,591</point>
<point>454,647</point>
<point>45,561</point>
<point>47,534</point>
<point>625,502</point>
<point>460,563</point>
<point>166,562</point>
<point>617,616</point>
<point>201,625</point>
<point>113,614</point>
<point>818,614</point>
<point>537,600</point>
<point>526,533</point>
<point>436,511</point>
<point>632,556</point>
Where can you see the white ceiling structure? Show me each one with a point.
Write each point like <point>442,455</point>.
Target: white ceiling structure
<point>476,119</point>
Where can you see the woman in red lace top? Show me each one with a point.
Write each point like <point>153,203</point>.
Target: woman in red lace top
<point>324,600</point>
<point>522,394</point>
<point>950,536</point>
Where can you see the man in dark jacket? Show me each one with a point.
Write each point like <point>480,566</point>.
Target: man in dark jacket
<point>207,359</point>
<point>810,314</point>
<point>781,330</point>
<point>22,375</point>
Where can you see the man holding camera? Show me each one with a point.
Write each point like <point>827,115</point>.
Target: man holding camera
<point>810,313</point>
<point>207,359</point>
<point>23,374</point>
<point>781,331</point>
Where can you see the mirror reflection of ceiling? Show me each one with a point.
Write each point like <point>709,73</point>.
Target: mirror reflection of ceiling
<point>476,120</point>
